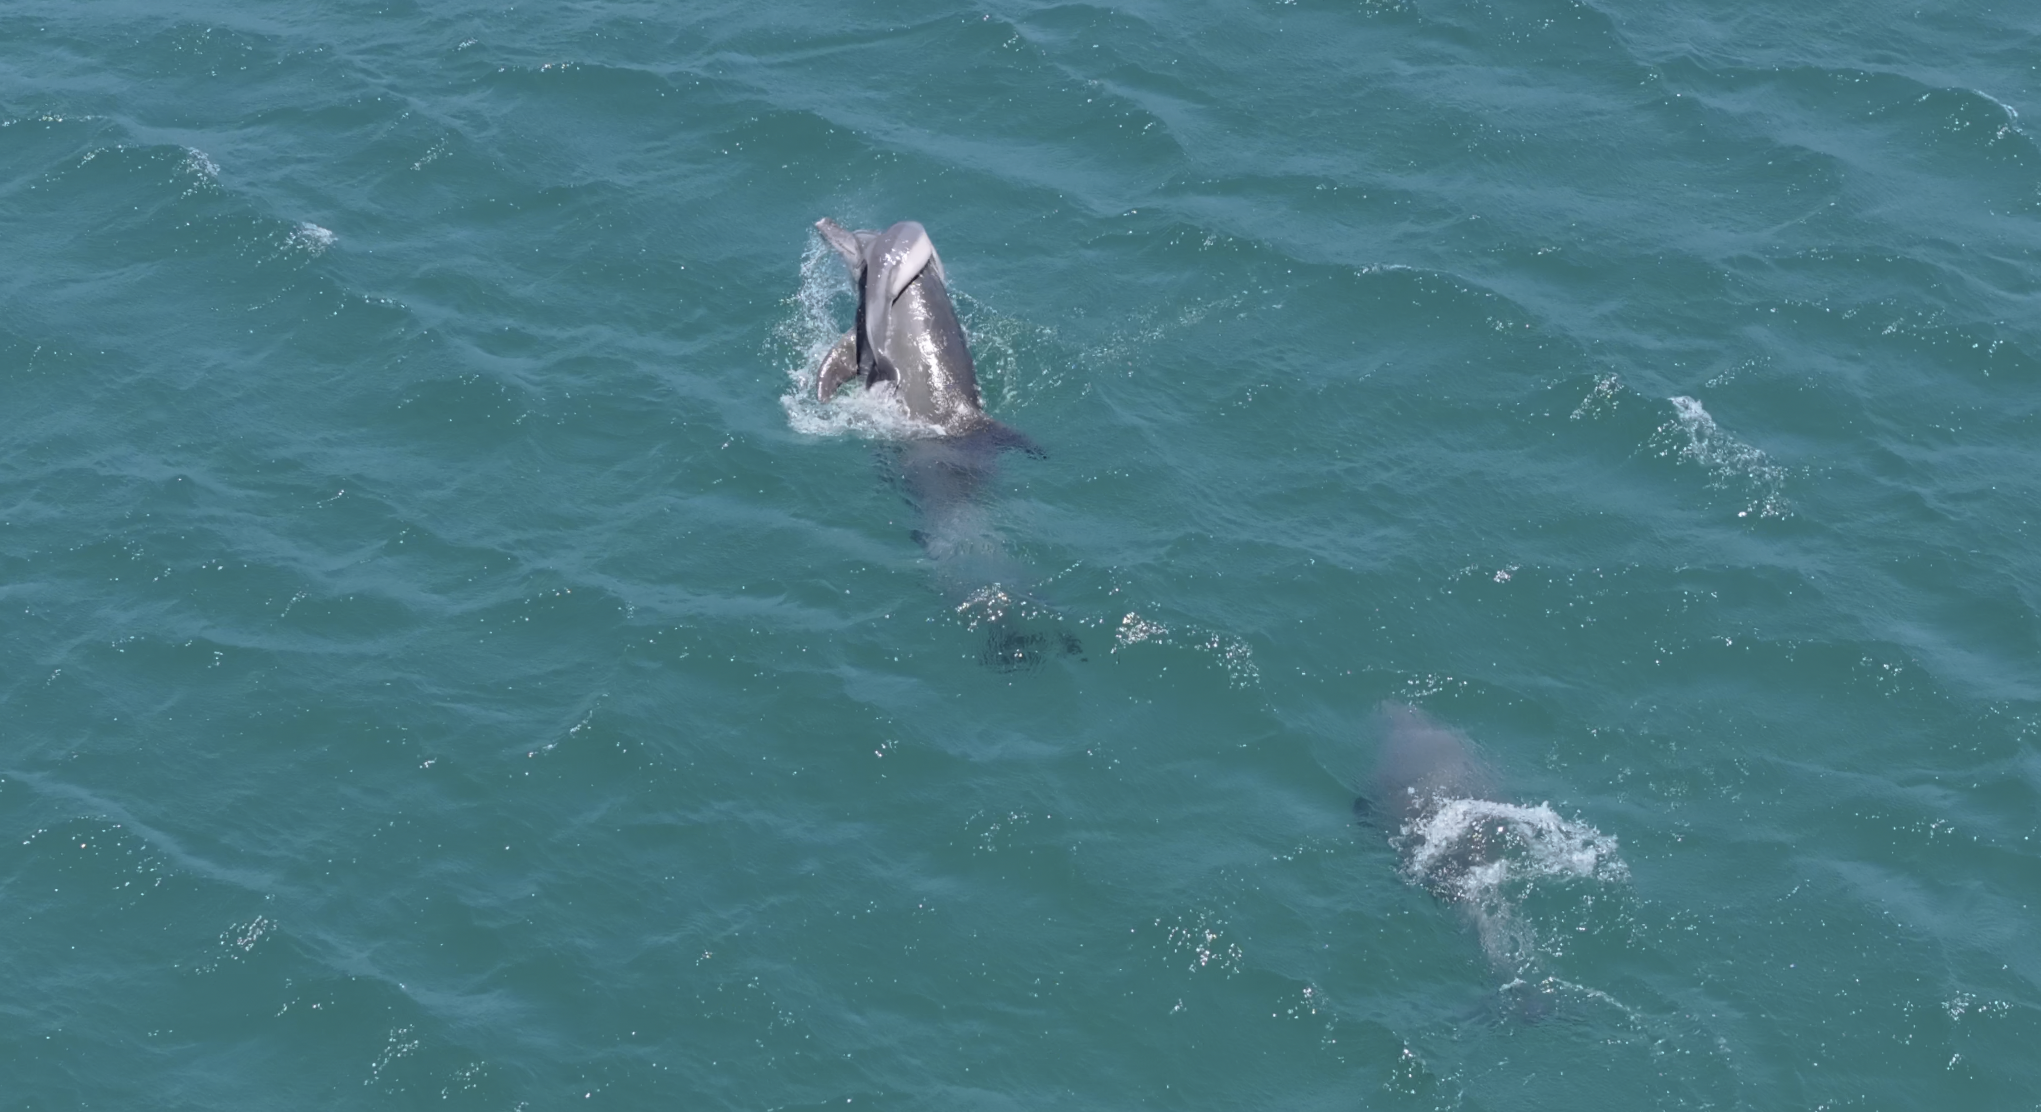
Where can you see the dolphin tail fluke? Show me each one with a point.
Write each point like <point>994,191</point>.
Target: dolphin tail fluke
<point>1006,436</point>
<point>838,367</point>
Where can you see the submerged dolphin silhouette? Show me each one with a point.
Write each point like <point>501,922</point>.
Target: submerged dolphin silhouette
<point>1420,767</point>
<point>907,340</point>
<point>1427,784</point>
<point>1436,799</point>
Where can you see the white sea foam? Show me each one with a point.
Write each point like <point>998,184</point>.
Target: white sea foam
<point>48,118</point>
<point>1490,856</point>
<point>1534,842</point>
<point>203,171</point>
<point>200,165</point>
<point>2012,124</point>
<point>1693,435</point>
<point>1600,401</point>
<point>312,238</point>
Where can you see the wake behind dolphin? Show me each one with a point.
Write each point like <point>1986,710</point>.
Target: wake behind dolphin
<point>1436,799</point>
<point>907,346</point>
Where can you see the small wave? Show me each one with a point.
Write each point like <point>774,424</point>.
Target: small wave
<point>1693,435</point>
<point>1125,348</point>
<point>1002,347</point>
<point>200,165</point>
<point>1234,655</point>
<point>1600,400</point>
<point>2012,114</point>
<point>203,171</point>
<point>49,118</point>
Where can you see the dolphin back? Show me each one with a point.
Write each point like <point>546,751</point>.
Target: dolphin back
<point>894,259</point>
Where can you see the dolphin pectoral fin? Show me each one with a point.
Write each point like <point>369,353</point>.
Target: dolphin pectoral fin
<point>845,242</point>
<point>838,367</point>
<point>1006,436</point>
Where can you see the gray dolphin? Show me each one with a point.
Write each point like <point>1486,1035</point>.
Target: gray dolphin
<point>1460,841</point>
<point>907,338</point>
<point>907,334</point>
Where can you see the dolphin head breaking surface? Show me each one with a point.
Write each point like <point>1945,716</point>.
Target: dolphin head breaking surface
<point>1437,801</point>
<point>1423,769</point>
<point>907,333</point>
<point>1421,763</point>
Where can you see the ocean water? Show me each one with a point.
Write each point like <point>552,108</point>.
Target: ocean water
<point>450,662</point>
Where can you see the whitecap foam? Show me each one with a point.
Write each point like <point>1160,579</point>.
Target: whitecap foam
<point>2012,114</point>
<point>1517,842</point>
<point>313,239</point>
<point>1489,856</point>
<point>200,165</point>
<point>49,118</point>
<point>1600,400</point>
<point>1693,435</point>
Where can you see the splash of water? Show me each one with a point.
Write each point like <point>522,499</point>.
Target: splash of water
<point>1693,435</point>
<point>1489,856</point>
<point>313,239</point>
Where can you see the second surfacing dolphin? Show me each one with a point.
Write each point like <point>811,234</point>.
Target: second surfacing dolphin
<point>1438,801</point>
<point>907,340</point>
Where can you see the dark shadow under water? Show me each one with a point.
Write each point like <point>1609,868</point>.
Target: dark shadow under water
<point>944,479</point>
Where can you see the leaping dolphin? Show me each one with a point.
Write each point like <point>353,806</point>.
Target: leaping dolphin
<point>907,339</point>
<point>907,334</point>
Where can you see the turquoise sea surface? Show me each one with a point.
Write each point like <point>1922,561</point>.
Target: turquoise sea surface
<point>450,660</point>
